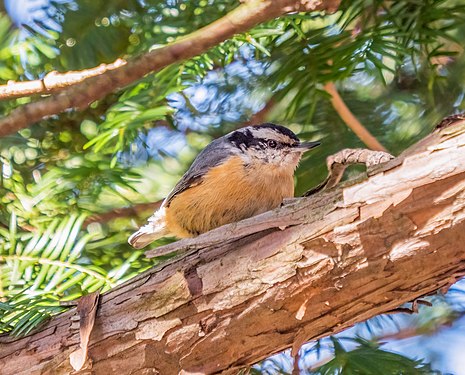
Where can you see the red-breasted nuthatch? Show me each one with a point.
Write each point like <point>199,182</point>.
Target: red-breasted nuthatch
<point>242,174</point>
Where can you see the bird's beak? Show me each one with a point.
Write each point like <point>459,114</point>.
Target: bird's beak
<point>305,146</point>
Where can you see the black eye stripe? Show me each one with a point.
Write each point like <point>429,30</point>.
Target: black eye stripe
<point>247,140</point>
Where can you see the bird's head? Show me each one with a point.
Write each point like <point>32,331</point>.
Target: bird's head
<point>269,143</point>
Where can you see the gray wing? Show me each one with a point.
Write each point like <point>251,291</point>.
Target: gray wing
<point>212,155</point>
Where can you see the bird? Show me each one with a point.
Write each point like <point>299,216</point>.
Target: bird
<point>241,174</point>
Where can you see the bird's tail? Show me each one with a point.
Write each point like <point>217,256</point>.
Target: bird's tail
<point>154,230</point>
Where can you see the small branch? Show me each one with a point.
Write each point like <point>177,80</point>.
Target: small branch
<point>260,116</point>
<point>409,332</point>
<point>295,367</point>
<point>338,163</point>
<point>351,121</point>
<point>80,95</point>
<point>135,210</point>
<point>54,81</point>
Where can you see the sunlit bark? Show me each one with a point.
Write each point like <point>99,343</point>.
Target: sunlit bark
<point>309,269</point>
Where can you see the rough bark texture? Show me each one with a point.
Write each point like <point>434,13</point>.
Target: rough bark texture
<point>309,269</point>
<point>81,93</point>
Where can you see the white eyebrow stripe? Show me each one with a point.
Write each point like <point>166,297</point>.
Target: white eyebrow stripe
<point>268,133</point>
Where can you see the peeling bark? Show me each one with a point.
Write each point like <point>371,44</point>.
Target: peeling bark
<point>306,270</point>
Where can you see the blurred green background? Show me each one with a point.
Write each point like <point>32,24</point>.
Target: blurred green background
<point>398,65</point>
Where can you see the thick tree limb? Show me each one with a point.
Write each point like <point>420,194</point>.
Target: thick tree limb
<point>80,95</point>
<point>309,269</point>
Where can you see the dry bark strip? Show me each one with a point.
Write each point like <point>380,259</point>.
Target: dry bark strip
<point>309,269</point>
<point>87,309</point>
<point>81,93</point>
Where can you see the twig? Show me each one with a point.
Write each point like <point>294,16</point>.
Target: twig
<point>260,116</point>
<point>409,332</point>
<point>80,95</point>
<point>135,210</point>
<point>338,163</point>
<point>295,368</point>
<point>351,121</point>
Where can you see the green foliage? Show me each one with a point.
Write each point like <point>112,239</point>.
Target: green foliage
<point>375,37</point>
<point>40,270</point>
<point>369,359</point>
<point>364,357</point>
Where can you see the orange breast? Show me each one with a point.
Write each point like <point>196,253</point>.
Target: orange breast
<point>228,193</point>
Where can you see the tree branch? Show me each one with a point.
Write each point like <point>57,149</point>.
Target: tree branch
<point>311,268</point>
<point>135,210</point>
<point>80,95</point>
<point>260,116</point>
<point>54,81</point>
<point>351,121</point>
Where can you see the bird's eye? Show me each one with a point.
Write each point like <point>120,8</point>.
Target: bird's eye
<point>272,143</point>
